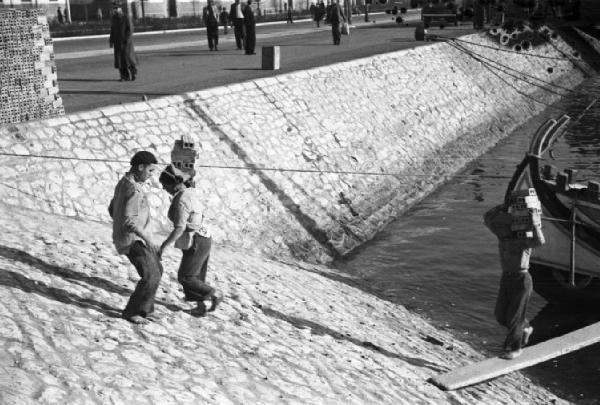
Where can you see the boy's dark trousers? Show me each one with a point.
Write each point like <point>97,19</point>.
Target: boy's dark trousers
<point>192,270</point>
<point>511,306</point>
<point>150,270</point>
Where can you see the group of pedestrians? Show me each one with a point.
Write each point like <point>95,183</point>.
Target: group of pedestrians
<point>318,12</point>
<point>240,17</point>
<point>130,212</point>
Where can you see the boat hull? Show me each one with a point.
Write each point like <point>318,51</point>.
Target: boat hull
<point>567,268</point>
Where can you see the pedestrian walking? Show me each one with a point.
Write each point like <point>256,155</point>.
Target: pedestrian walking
<point>290,18</point>
<point>121,40</point>
<point>250,28</point>
<point>210,15</point>
<point>336,17</point>
<point>59,16</point>
<point>99,15</point>
<point>515,283</point>
<point>319,13</point>
<point>236,19</point>
<point>224,19</point>
<point>130,212</point>
<point>191,235</point>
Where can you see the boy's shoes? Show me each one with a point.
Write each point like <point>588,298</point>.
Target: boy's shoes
<point>509,355</point>
<point>526,335</point>
<point>216,298</point>
<point>200,310</point>
<point>153,317</point>
<point>137,319</point>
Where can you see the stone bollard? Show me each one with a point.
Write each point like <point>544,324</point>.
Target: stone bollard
<point>420,32</point>
<point>270,57</point>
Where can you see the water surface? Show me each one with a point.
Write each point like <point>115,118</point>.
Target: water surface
<point>441,261</point>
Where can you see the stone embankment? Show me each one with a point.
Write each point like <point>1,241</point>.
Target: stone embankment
<point>287,333</point>
<point>311,163</point>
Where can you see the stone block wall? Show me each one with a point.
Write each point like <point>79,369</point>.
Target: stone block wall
<point>28,81</point>
<point>311,163</point>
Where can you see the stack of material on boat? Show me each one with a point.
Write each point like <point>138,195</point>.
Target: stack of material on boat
<point>525,208</point>
<point>564,182</point>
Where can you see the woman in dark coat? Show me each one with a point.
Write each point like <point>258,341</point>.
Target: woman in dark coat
<point>121,31</point>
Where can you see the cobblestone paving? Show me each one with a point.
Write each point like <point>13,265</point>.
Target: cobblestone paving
<point>286,333</point>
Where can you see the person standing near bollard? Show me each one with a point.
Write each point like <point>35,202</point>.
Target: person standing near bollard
<point>121,31</point>
<point>130,212</point>
<point>191,235</point>
<point>516,283</point>
<point>224,19</point>
<point>336,17</point>
<point>236,19</point>
<point>210,16</point>
<point>250,26</point>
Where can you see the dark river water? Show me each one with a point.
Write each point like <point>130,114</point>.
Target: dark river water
<point>440,261</point>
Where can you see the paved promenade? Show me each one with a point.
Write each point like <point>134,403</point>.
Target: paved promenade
<point>177,63</point>
<point>286,333</point>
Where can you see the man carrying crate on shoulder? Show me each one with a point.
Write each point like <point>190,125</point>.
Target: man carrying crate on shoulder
<point>518,228</point>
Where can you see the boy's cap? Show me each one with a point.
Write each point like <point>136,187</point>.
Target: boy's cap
<point>143,158</point>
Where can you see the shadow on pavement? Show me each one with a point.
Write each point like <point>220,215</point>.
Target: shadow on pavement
<point>303,218</point>
<point>242,68</point>
<point>12,279</point>
<point>318,329</point>
<point>126,93</point>
<point>70,275</point>
<point>86,80</point>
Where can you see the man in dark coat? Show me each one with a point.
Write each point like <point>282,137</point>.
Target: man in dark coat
<point>210,16</point>
<point>236,18</point>
<point>336,17</point>
<point>250,26</point>
<point>121,41</point>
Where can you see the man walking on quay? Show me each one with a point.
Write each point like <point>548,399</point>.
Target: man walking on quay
<point>121,31</point>
<point>236,17</point>
<point>59,16</point>
<point>210,17</point>
<point>224,19</point>
<point>336,17</point>
<point>516,283</point>
<point>250,26</point>
<point>130,212</point>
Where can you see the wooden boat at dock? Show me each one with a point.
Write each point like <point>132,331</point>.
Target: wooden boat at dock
<point>566,269</point>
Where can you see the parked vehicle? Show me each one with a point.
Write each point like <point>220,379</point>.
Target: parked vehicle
<point>442,14</point>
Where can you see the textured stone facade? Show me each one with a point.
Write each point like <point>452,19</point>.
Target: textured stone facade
<point>28,81</point>
<point>311,163</point>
